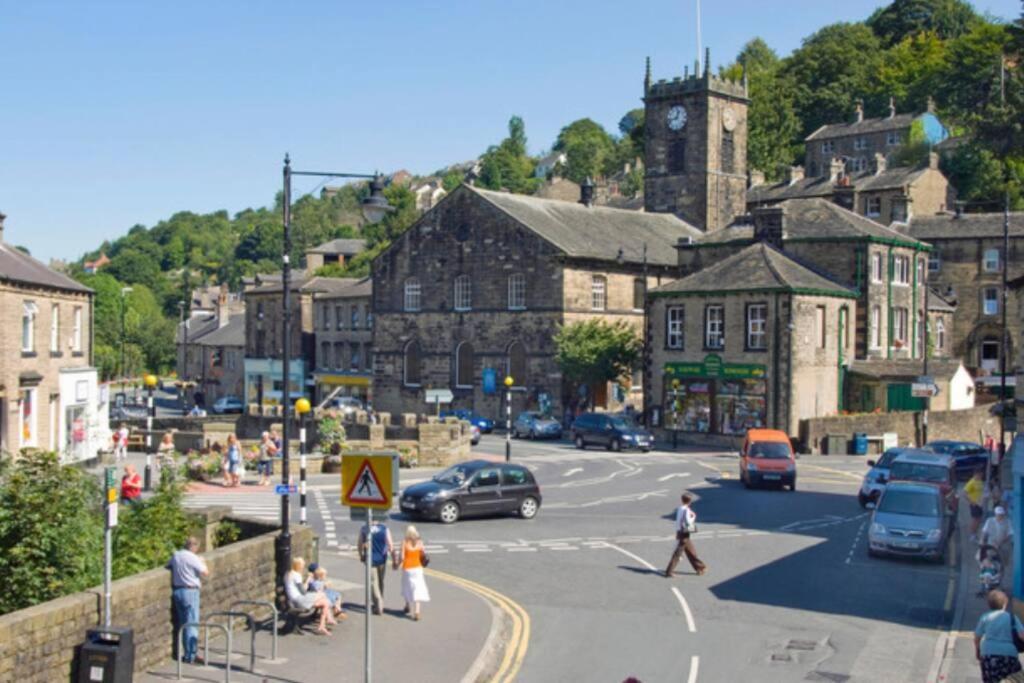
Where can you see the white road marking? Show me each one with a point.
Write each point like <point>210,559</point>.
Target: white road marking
<point>521,550</point>
<point>686,610</point>
<point>694,667</point>
<point>673,475</point>
<point>570,472</point>
<point>475,550</point>
<point>856,541</point>
<point>633,556</point>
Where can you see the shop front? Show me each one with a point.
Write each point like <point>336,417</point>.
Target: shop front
<point>343,384</point>
<point>264,380</point>
<point>83,422</point>
<point>712,397</point>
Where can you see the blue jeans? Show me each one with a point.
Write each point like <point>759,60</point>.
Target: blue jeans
<point>186,607</point>
<point>265,467</point>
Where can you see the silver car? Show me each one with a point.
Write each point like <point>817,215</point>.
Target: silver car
<point>910,520</point>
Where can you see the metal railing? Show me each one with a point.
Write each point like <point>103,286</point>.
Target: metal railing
<point>206,625</point>
<point>274,620</point>
<point>231,627</point>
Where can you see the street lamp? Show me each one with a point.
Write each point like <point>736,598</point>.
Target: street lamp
<point>183,369</point>
<point>150,380</point>
<point>124,290</point>
<point>508,417</point>
<point>302,410</point>
<point>375,207</point>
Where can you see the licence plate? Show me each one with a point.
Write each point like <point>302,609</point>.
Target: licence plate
<point>906,545</point>
<point>407,504</point>
<point>772,477</point>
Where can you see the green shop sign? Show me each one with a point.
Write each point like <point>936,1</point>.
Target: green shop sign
<point>713,367</point>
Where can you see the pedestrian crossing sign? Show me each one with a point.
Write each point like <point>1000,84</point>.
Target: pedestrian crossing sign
<point>366,481</point>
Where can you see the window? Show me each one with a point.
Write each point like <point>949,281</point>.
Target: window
<point>54,328</point>
<point>369,318</point>
<point>598,293</point>
<point>28,327</point>
<point>892,138</point>
<point>639,290</point>
<point>934,260</point>
<point>27,413</point>
<point>515,365</point>
<point>757,323</point>
<point>412,295</point>
<point>921,271</point>
<point>991,261</point>
<point>339,318</point>
<point>516,292</point>
<point>728,152</point>
<point>464,365</point>
<point>940,335</point>
<point>899,325</point>
<point>990,354</point>
<point>325,317</point>
<point>354,357</point>
<point>714,327</point>
<point>827,147</point>
<point>876,267</point>
<point>919,335</point>
<point>819,326</point>
<point>844,326</point>
<point>217,357</point>
<point>873,207</point>
<point>858,164</point>
<point>898,211</point>
<point>677,156</point>
<point>325,355</point>
<point>463,293</point>
<point>355,317</point>
<point>860,143</point>
<point>411,364</point>
<point>990,301</point>
<point>674,327</point>
<point>901,270</point>
<point>76,333</point>
<point>876,327</point>
<point>339,356</point>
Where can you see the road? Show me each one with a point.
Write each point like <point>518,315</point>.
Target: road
<point>790,594</point>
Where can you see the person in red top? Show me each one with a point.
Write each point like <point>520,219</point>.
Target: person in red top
<point>131,485</point>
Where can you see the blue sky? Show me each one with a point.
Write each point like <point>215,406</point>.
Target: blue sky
<point>117,113</point>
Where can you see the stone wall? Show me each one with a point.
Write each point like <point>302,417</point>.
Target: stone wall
<point>38,644</point>
<point>962,425</point>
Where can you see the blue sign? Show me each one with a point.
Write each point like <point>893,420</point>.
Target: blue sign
<point>490,377</point>
<point>283,490</point>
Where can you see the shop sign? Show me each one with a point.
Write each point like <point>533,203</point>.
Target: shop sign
<point>713,367</point>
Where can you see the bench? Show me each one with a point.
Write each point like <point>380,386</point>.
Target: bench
<point>296,619</point>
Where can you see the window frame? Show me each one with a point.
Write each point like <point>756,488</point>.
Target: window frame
<point>998,260</point>
<point>460,350</point>
<point>940,334</point>
<point>354,316</point>
<point>875,333</point>
<point>29,314</point>
<point>873,207</point>
<point>76,334</point>
<point>900,325</point>
<point>412,344</point>
<point>900,270</point>
<point>821,325</point>
<point>54,328</point>
<point>412,295</point>
<point>934,260</point>
<point>877,267</point>
<point>639,290</point>
<point>720,322</point>
<point>598,293</point>
<point>750,322</point>
<point>680,325</point>
<point>985,300</point>
<point>462,293</point>
<point>516,292</point>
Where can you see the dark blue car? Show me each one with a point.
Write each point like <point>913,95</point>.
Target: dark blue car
<point>485,425</point>
<point>969,456</point>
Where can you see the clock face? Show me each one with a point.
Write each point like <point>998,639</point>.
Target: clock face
<point>676,117</point>
<point>729,119</point>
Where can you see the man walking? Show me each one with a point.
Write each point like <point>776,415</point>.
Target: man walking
<point>187,570</point>
<point>376,542</point>
<point>686,524</point>
<point>998,533</point>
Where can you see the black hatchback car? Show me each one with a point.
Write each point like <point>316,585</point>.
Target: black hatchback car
<point>474,489</point>
<point>614,432</point>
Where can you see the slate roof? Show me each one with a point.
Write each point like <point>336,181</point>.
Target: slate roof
<point>595,232</point>
<point>759,267</point>
<point>340,246</point>
<point>937,302</point>
<point>197,327</point>
<point>231,334</point>
<point>355,289</point>
<point>18,267</point>
<point>838,130</point>
<point>904,368</point>
<point>823,186</point>
<point>967,226</point>
<point>810,219</point>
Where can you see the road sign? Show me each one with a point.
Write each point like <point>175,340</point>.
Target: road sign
<point>921,390</point>
<point>366,480</point>
<point>285,489</point>
<point>926,379</point>
<point>439,396</point>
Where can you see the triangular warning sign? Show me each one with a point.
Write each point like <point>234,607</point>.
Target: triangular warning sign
<point>366,488</point>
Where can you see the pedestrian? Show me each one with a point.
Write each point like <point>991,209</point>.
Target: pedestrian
<point>686,525</point>
<point>990,569</point>
<point>998,533</point>
<point>121,442</point>
<point>413,560</point>
<point>993,639</point>
<point>187,570</point>
<point>131,485</point>
<point>233,456</point>
<point>377,543</point>
<point>974,489</point>
<point>265,464</point>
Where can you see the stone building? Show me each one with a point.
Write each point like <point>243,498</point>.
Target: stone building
<point>336,252</point>
<point>756,339</point>
<point>221,359</point>
<point>477,288</point>
<point>887,385</point>
<point>856,142</point>
<point>49,392</point>
<point>343,320</point>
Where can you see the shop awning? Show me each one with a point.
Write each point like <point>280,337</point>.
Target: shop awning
<point>343,380</point>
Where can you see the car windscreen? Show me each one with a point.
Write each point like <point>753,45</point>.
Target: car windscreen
<point>912,471</point>
<point>887,458</point>
<point>454,475</point>
<point>916,503</point>
<point>624,423</point>
<point>772,450</point>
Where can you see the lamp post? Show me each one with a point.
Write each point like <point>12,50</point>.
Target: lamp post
<point>302,410</point>
<point>508,417</point>
<point>375,207</point>
<point>1004,347</point>
<point>124,290</point>
<point>150,381</point>
<point>183,370</point>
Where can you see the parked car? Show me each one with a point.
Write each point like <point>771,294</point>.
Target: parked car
<point>614,432</point>
<point>533,425</point>
<point>923,466</point>
<point>485,424</point>
<point>877,477</point>
<point>767,458</point>
<point>228,404</point>
<point>474,435</point>
<point>128,411</point>
<point>910,520</point>
<point>969,456</point>
<point>472,489</point>
<point>346,404</point>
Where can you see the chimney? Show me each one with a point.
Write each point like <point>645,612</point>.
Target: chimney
<point>836,169</point>
<point>931,105</point>
<point>587,192</point>
<point>879,163</point>
<point>770,225</point>
<point>933,160</point>
<point>859,112</point>
<point>3,217</point>
<point>223,312</point>
<point>959,209</point>
<point>794,174</point>
<point>756,177</point>
<point>892,108</point>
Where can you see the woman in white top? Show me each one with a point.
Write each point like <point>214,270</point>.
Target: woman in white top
<point>295,589</point>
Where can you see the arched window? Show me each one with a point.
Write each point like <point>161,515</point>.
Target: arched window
<point>515,365</point>
<point>412,295</point>
<point>411,364</point>
<point>516,292</point>
<point>464,365</point>
<point>463,293</point>
<point>940,335</point>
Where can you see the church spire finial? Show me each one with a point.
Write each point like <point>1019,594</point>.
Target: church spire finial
<point>707,61</point>
<point>647,77</point>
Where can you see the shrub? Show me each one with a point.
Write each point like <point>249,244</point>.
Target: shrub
<point>332,435</point>
<point>148,532</point>
<point>227,532</point>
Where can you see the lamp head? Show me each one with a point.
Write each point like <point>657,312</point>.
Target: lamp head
<point>376,206</point>
<point>302,406</point>
<point>509,381</point>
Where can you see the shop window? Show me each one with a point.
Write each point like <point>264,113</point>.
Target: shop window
<point>674,318</point>
<point>757,326</point>
<point>688,407</point>
<point>714,327</point>
<point>412,295</point>
<point>463,293</point>
<point>516,292</point>
<point>411,364</point>
<point>990,301</point>
<point>598,293</point>
<point>739,405</point>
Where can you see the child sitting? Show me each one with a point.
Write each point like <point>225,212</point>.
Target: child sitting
<point>991,571</point>
<point>318,584</point>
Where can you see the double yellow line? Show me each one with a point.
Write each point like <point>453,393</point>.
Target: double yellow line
<point>515,646</point>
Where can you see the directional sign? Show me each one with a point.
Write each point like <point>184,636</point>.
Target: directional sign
<point>285,489</point>
<point>366,481</point>
<point>920,390</point>
<point>440,396</point>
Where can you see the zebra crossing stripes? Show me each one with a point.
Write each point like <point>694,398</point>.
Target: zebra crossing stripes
<point>262,505</point>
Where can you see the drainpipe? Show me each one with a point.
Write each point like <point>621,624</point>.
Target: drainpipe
<point>776,385</point>
<point>789,352</point>
<point>888,297</point>
<point>913,308</point>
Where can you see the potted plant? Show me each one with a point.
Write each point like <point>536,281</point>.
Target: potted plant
<point>332,443</point>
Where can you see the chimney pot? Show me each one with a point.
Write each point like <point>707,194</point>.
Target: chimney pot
<point>770,225</point>
<point>795,174</point>
<point>892,108</point>
<point>859,112</point>
<point>587,192</point>
<point>880,163</point>
<point>836,169</point>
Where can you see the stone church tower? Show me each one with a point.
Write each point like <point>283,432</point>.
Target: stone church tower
<point>696,148</point>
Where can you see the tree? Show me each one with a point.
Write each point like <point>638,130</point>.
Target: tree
<point>911,71</point>
<point>507,166</point>
<point>632,127</point>
<point>906,18</point>
<point>589,150</point>
<point>592,352</point>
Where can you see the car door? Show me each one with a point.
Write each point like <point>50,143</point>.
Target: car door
<point>483,492</point>
<point>606,431</point>
<point>514,485</point>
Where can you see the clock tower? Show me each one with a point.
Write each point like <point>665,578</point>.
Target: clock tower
<point>696,147</point>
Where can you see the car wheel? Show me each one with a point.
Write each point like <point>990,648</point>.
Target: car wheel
<point>872,553</point>
<point>615,445</point>
<point>449,512</point>
<point>528,508</point>
<point>579,443</point>
<point>792,487</point>
<point>745,480</point>
<point>532,435</point>
<point>862,499</point>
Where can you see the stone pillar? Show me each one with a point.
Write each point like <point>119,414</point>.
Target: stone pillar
<point>376,437</point>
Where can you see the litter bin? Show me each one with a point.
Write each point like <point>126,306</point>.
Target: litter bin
<point>835,444</point>
<point>107,656</point>
<point>860,444</point>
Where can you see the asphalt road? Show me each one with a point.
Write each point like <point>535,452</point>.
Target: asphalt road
<point>790,594</point>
